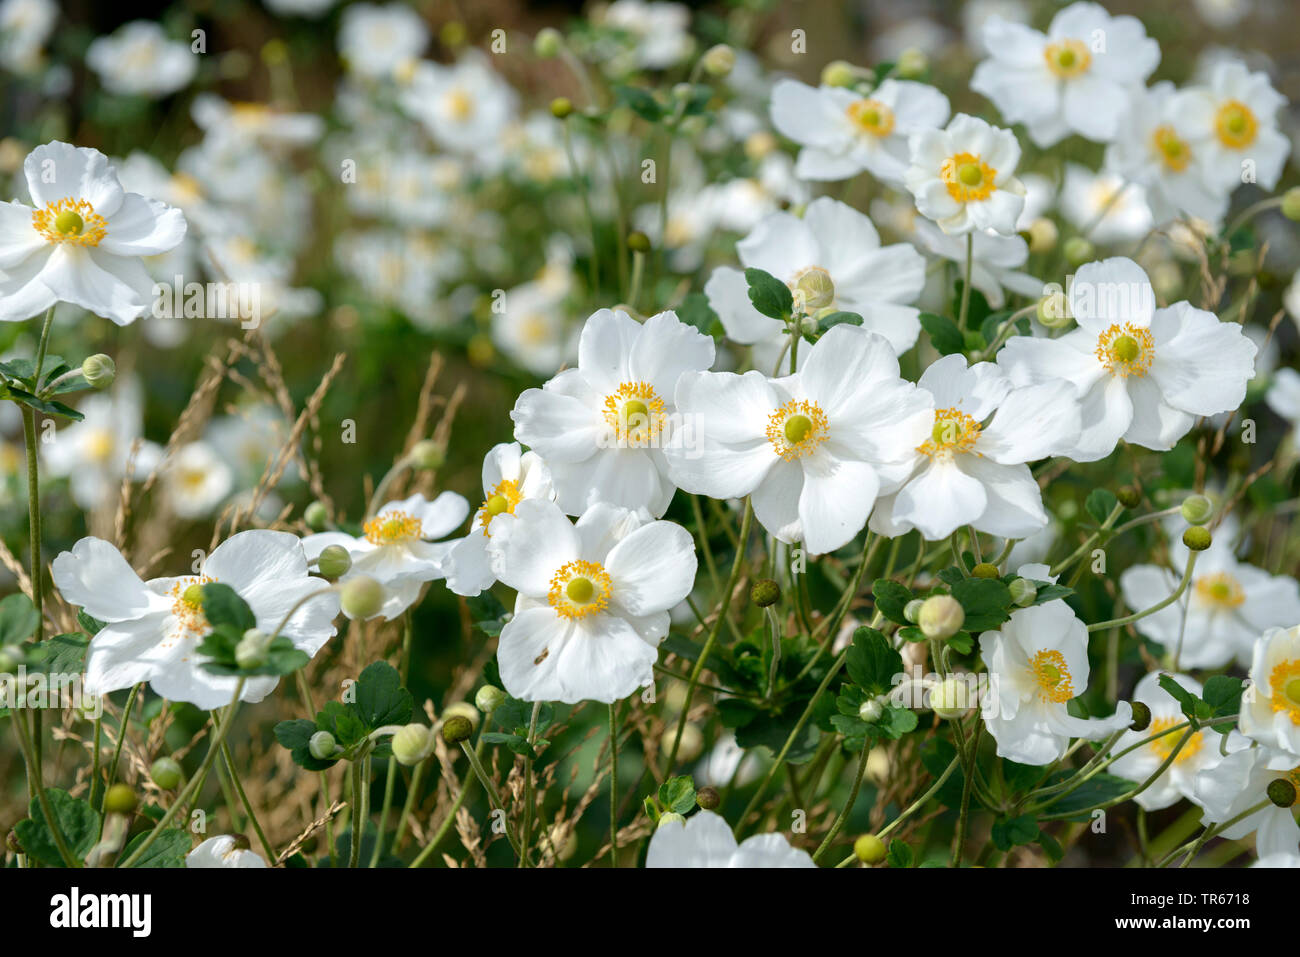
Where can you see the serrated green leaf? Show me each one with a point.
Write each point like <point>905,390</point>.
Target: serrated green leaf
<point>770,296</point>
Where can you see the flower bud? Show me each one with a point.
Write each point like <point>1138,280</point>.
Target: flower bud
<point>456,729</point>
<point>814,289</point>
<point>870,710</point>
<point>251,652</point>
<point>840,73</point>
<point>765,593</point>
<point>1054,310</point>
<point>561,107</point>
<point>638,241</point>
<point>412,744</point>
<point>985,570</point>
<point>941,617</point>
<point>951,698</point>
<point>708,798</point>
<point>334,562</point>
<point>1128,496</point>
<point>1141,717</point>
<point>912,64</point>
<point>120,799</point>
<point>1079,251</point>
<point>1023,592</point>
<point>869,849</point>
<point>1043,235</point>
<point>1197,509</point>
<point>465,710</point>
<point>1291,204</point>
<point>1197,538</point>
<point>166,773</point>
<point>547,43</point>
<point>428,454</point>
<point>1281,792</point>
<point>361,597</point>
<point>671,817</point>
<point>316,516</point>
<point>912,610</point>
<point>99,371</point>
<point>322,745</point>
<point>489,698</point>
<point>719,60</point>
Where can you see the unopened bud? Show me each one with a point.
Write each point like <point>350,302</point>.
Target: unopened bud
<point>166,773</point>
<point>547,43</point>
<point>456,729</point>
<point>708,798</point>
<point>251,652</point>
<point>912,64</point>
<point>120,799</point>
<point>840,73</point>
<point>1291,204</point>
<point>671,817</point>
<point>1197,538</point>
<point>912,610</point>
<point>322,745</point>
<point>561,107</point>
<point>99,371</point>
<point>869,849</point>
<point>870,710</point>
<point>465,710</point>
<point>1141,717</point>
<point>1197,509</point>
<point>334,562</point>
<point>428,454</point>
<point>951,698</point>
<point>985,570</point>
<point>1079,251</point>
<point>1054,310</point>
<point>941,617</point>
<point>814,289</point>
<point>1023,592</point>
<point>361,597</point>
<point>1043,235</point>
<point>489,698</point>
<point>765,593</point>
<point>411,744</point>
<point>1281,792</point>
<point>719,60</point>
<point>1128,496</point>
<point>316,516</point>
<point>638,241</point>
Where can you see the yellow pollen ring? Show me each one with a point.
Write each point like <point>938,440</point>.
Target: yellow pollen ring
<point>797,428</point>
<point>1126,350</point>
<point>1235,125</point>
<point>1221,589</point>
<point>636,414</point>
<point>580,588</point>
<point>1171,148</point>
<point>1284,688</point>
<point>1052,675</point>
<point>872,116</point>
<point>967,177</point>
<point>392,527</point>
<point>187,606</point>
<point>1068,58</point>
<point>500,501</point>
<point>1165,744</point>
<point>70,221</point>
<point>954,431</point>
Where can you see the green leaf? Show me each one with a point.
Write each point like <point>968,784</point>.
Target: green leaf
<point>1191,705</point>
<point>1098,790</point>
<point>677,794</point>
<point>900,855</point>
<point>381,699</point>
<point>63,654</point>
<point>642,102</point>
<point>872,662</point>
<point>943,332</point>
<point>769,295</point>
<point>18,619</point>
<point>44,406</point>
<point>168,849</point>
<point>1223,694</point>
<point>487,613</point>
<point>834,319</point>
<point>91,626</point>
<point>1099,504</point>
<point>696,312</point>
<point>78,823</point>
<point>891,598</point>
<point>1010,832</point>
<point>296,736</point>
<point>986,602</point>
<point>222,606</point>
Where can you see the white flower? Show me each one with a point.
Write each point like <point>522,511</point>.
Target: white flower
<point>533,328</point>
<point>593,599</point>
<point>1270,709</point>
<point>1115,210</point>
<point>1198,756</point>
<point>963,178</point>
<point>1142,374</point>
<point>397,547</point>
<point>1073,79</point>
<point>235,125</point>
<point>299,8</point>
<point>196,480</point>
<point>1160,146</point>
<point>602,427</point>
<point>843,133</point>
<point>971,469</point>
<point>832,260</point>
<point>661,30</point>
<point>249,438</point>
<point>223,851</point>
<point>996,261</point>
<point>813,449</point>
<point>465,107</point>
<point>1240,782</point>
<point>83,241</point>
<point>1283,397</point>
<point>378,41</point>
<point>93,454</point>
<point>1037,662</point>
<point>510,476</point>
<point>1243,132</point>
<point>151,630</point>
<point>138,60</point>
<point>705,840</point>
<point>1229,605</point>
<point>25,25</point>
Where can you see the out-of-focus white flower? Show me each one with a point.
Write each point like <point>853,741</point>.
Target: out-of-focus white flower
<point>1270,710</point>
<point>466,107</point>
<point>705,840</point>
<point>532,328</point>
<point>1115,210</point>
<point>1283,397</point>
<point>137,59</point>
<point>1239,782</point>
<point>242,123</point>
<point>963,177</point>
<point>25,25</point>
<point>223,851</point>
<point>196,480</point>
<point>377,42</point>
<point>660,30</point>
<point>1244,143</point>
<point>996,261</point>
<point>300,8</point>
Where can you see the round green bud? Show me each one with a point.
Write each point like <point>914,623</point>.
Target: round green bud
<point>815,289</point>
<point>941,617</point>
<point>251,652</point>
<point>708,798</point>
<point>1291,204</point>
<point>839,73</point>
<point>99,371</point>
<point>166,773</point>
<point>1079,251</point>
<point>1054,310</point>
<point>870,710</point>
<point>1197,538</point>
<point>322,745</point>
<point>561,107</point>
<point>456,729</point>
<point>869,849</point>
<point>1043,235</point>
<point>671,817</point>
<point>411,744</point>
<point>334,562</point>
<point>1023,592</point>
<point>120,799</point>
<point>428,454</point>
<point>361,597</point>
<point>719,60</point>
<point>912,64</point>
<point>985,570</point>
<point>489,698</point>
<point>1128,496</point>
<point>912,610</point>
<point>1141,717</point>
<point>11,656</point>
<point>638,241</point>
<point>951,698</point>
<point>1281,792</point>
<point>316,516</point>
<point>765,592</point>
<point>1197,509</point>
<point>547,43</point>
<point>465,710</point>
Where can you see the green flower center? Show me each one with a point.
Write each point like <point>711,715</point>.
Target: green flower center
<point>580,590</point>
<point>498,504</point>
<point>69,222</point>
<point>970,174</point>
<point>1125,348</point>
<point>797,428</point>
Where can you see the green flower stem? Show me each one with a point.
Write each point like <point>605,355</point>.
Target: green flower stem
<point>613,783</point>
<point>1132,792</point>
<point>1250,212</point>
<point>377,499</point>
<point>921,801</point>
<point>34,776</point>
<point>848,805</point>
<point>525,830</point>
<point>389,784</point>
<point>1138,615</point>
<point>966,751</point>
<point>576,173</point>
<point>354,851</point>
<point>465,783</point>
<point>477,764</point>
<point>724,606</point>
<point>122,726</point>
<point>412,795</point>
<point>191,788</point>
<point>1091,540</point>
<point>1194,847</point>
<point>243,799</point>
<point>965,286</point>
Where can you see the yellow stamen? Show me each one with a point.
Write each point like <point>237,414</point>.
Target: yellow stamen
<point>1127,350</point>
<point>187,606</point>
<point>636,414</point>
<point>954,431</point>
<point>578,589</point>
<point>797,428</point>
<point>1067,58</point>
<point>392,527</point>
<point>1050,672</point>
<point>1284,688</point>
<point>872,116</point>
<point>1165,744</point>
<point>967,177</point>
<point>1220,589</point>
<point>1172,150</point>
<point>70,221</point>
<point>501,501</point>
<point>1235,125</point>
